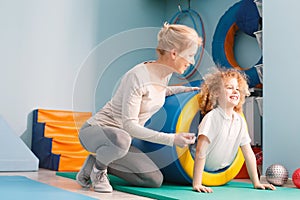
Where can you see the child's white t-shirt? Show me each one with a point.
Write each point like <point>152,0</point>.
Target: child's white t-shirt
<point>225,134</point>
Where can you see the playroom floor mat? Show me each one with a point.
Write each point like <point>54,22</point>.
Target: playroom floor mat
<point>20,187</point>
<point>232,191</point>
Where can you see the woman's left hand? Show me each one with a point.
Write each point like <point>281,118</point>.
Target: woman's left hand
<point>184,139</point>
<point>189,89</point>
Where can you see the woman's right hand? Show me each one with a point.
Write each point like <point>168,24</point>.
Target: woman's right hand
<point>184,139</point>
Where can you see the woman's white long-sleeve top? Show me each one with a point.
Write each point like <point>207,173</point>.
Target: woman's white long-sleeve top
<point>139,95</point>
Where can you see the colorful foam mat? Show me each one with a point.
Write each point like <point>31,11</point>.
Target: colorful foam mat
<point>232,190</point>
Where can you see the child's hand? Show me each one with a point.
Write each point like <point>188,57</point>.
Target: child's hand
<point>202,188</point>
<point>265,186</point>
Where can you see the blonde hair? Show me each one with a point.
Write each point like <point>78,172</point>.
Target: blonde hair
<point>176,36</point>
<point>212,85</point>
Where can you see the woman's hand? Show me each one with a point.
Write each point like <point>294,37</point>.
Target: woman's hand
<point>189,89</point>
<point>184,139</point>
<point>202,188</point>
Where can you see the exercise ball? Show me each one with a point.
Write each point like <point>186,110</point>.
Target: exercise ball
<point>296,178</point>
<point>277,174</point>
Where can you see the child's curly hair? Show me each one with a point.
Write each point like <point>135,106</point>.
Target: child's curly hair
<point>212,85</point>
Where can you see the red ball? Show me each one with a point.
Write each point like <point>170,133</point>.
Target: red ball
<point>296,177</point>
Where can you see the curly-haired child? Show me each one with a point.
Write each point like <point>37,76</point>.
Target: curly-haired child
<point>223,130</point>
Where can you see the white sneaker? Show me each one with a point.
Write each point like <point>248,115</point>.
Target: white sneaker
<point>83,176</point>
<point>100,182</point>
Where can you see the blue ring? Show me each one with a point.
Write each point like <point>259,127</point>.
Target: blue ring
<point>218,45</point>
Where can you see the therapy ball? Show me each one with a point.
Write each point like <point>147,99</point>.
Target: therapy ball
<point>277,174</point>
<point>296,178</point>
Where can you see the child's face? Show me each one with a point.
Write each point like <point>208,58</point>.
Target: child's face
<point>229,95</point>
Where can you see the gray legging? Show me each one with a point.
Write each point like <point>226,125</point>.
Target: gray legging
<point>113,149</point>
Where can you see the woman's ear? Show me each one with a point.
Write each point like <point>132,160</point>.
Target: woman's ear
<point>173,53</point>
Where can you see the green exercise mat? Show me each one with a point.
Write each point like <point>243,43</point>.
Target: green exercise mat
<point>232,190</point>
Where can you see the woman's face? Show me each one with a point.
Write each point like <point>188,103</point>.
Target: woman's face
<point>229,95</point>
<point>181,65</point>
<point>185,59</point>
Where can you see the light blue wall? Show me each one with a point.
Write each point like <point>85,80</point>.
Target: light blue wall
<point>43,46</point>
<point>50,58</point>
<point>281,83</point>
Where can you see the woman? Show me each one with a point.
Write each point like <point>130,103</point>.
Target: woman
<point>141,93</point>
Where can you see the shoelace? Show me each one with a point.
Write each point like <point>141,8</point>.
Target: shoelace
<point>102,176</point>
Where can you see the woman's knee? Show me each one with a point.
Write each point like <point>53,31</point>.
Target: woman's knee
<point>122,142</point>
<point>154,180</point>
